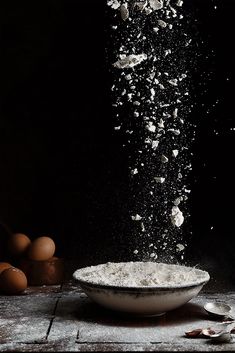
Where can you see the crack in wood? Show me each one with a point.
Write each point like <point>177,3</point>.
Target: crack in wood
<point>77,337</point>
<point>52,319</point>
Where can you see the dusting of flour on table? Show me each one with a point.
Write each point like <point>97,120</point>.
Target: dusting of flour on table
<point>140,274</point>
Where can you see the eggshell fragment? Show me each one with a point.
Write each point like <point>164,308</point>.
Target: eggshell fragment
<point>41,249</point>
<point>194,333</point>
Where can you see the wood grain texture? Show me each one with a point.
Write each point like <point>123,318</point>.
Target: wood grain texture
<point>49,319</point>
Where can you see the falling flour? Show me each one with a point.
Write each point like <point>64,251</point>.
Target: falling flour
<point>140,274</point>
<point>149,61</point>
<point>129,61</point>
<point>177,217</point>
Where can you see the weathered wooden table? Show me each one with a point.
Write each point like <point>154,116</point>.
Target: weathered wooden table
<point>62,318</point>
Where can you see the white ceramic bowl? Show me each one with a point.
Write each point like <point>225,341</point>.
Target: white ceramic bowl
<point>144,300</point>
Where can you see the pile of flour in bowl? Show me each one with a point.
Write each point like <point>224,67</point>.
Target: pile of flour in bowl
<point>140,274</point>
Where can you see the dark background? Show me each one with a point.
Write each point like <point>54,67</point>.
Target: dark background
<point>62,170</point>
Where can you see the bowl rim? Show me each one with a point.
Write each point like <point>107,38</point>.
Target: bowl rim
<point>162,288</point>
<point>94,285</point>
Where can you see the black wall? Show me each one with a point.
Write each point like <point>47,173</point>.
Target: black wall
<point>62,171</point>
<point>213,209</point>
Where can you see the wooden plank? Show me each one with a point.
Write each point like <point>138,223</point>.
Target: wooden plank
<point>27,318</point>
<point>24,330</point>
<point>67,346</point>
<point>96,324</point>
<point>71,287</point>
<point>55,319</point>
<point>166,347</point>
<point>80,321</point>
<point>65,323</point>
<point>61,346</point>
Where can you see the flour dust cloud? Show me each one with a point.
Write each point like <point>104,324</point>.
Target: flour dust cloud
<point>150,55</point>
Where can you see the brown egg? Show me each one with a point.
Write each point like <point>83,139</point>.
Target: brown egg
<point>41,249</point>
<point>4,266</point>
<point>13,281</point>
<point>18,244</point>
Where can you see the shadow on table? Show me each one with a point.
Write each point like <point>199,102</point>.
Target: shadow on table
<point>91,312</point>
